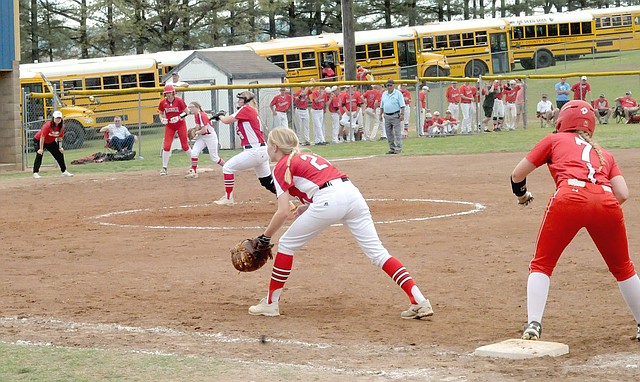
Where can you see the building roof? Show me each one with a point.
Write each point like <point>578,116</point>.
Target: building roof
<point>237,64</point>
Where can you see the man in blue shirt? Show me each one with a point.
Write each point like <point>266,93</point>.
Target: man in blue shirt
<point>563,90</point>
<point>392,108</point>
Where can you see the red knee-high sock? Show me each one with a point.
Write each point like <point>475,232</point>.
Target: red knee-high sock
<point>194,164</point>
<point>279,275</point>
<point>394,268</point>
<point>229,180</point>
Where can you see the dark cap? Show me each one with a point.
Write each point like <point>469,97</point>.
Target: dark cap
<point>391,82</point>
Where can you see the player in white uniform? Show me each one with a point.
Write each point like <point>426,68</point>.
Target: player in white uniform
<point>205,137</point>
<point>329,197</point>
<point>254,156</point>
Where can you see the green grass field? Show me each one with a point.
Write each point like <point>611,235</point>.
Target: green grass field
<point>20,362</point>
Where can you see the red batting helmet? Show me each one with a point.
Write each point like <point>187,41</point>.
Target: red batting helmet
<point>576,115</point>
<point>168,88</point>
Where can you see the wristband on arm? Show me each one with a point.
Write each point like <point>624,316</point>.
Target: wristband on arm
<point>183,115</point>
<point>519,188</point>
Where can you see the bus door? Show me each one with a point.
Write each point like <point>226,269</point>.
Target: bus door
<point>330,57</point>
<point>499,52</point>
<point>407,59</point>
<point>34,110</point>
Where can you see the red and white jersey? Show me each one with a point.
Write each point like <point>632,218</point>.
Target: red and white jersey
<point>173,109</point>
<point>423,99</point>
<point>510,94</point>
<point>202,119</point>
<point>248,127</point>
<point>580,90</point>
<point>302,98</point>
<point>318,102</point>
<point>570,157</point>
<point>334,103</point>
<point>468,91</point>
<point>601,103</point>
<point>351,102</point>
<point>282,102</point>
<point>49,132</point>
<point>370,97</point>
<point>309,172</point>
<point>406,94</point>
<point>627,101</point>
<point>453,94</point>
<point>361,74</point>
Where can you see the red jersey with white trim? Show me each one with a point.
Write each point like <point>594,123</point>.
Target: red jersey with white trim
<point>318,102</point>
<point>173,109</point>
<point>627,101</point>
<point>469,92</point>
<point>334,103</point>
<point>407,96</point>
<point>453,94</point>
<point>302,98</point>
<point>568,156</point>
<point>370,97</point>
<point>202,119</point>
<point>351,102</point>
<point>309,172</point>
<point>248,127</point>
<point>580,90</point>
<point>423,99</point>
<point>510,94</point>
<point>50,132</point>
<point>282,102</point>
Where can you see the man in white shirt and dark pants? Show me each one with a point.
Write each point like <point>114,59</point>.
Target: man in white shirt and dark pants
<point>119,136</point>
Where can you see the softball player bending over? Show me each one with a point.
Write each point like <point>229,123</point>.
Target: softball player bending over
<point>589,191</point>
<point>254,155</point>
<point>205,136</point>
<point>329,198</point>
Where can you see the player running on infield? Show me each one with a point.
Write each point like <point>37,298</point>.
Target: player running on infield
<point>254,155</point>
<point>589,191</point>
<point>205,137</point>
<point>173,110</point>
<point>329,197</point>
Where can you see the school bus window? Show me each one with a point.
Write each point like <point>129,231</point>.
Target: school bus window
<point>427,43</point>
<point>308,60</point>
<point>586,27</point>
<point>626,20</point>
<point>454,40</point>
<point>553,30</point>
<point>387,49</point>
<point>541,31</point>
<point>277,60</point>
<point>441,42</point>
<point>128,81</point>
<point>467,39</point>
<point>92,83</point>
<point>72,84</point>
<point>110,82</point>
<point>575,28</point>
<point>293,61</point>
<point>530,31</point>
<point>606,22</point>
<point>147,80</point>
<point>598,22</point>
<point>564,29</point>
<point>616,21</point>
<point>374,50</point>
<point>361,52</point>
<point>481,38</point>
<point>55,85</point>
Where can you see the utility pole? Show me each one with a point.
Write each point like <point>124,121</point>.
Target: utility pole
<point>349,39</point>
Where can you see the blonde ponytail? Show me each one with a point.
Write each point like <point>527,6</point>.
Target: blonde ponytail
<point>585,135</point>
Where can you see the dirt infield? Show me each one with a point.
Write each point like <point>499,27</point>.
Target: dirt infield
<point>137,261</point>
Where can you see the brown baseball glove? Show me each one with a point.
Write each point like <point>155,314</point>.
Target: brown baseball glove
<point>192,132</point>
<point>251,254</point>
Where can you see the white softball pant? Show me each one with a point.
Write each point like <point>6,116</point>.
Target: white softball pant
<point>371,123</point>
<point>510,115</point>
<point>454,108</point>
<point>302,125</point>
<point>466,117</point>
<point>280,119</point>
<point>318,125</point>
<point>335,126</point>
<point>255,158</point>
<point>210,141</point>
<point>341,202</point>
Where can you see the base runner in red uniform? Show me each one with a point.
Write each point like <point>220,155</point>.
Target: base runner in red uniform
<point>329,197</point>
<point>590,190</point>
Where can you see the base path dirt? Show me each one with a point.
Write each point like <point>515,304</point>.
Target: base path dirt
<point>138,261</point>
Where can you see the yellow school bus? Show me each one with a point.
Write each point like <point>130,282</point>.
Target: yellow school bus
<point>473,48</point>
<point>617,29</point>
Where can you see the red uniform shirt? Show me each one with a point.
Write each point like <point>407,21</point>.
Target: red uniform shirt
<point>361,75</point>
<point>580,90</point>
<point>302,98</point>
<point>49,132</point>
<point>564,155</point>
<point>248,126</point>
<point>173,109</point>
<point>309,172</point>
<point>202,119</point>
<point>423,99</point>
<point>282,102</point>
<point>467,91</point>
<point>453,94</point>
<point>407,96</point>
<point>334,103</point>
<point>627,102</point>
<point>510,94</point>
<point>351,102</point>
<point>319,101</point>
<point>370,97</point>
<point>328,73</point>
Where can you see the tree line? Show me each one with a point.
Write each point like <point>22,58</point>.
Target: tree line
<point>52,30</point>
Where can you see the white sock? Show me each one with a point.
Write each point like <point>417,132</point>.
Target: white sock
<point>165,158</point>
<point>630,289</point>
<point>537,292</point>
<point>188,152</point>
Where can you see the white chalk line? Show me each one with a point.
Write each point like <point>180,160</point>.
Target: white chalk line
<point>52,323</point>
<point>474,208</point>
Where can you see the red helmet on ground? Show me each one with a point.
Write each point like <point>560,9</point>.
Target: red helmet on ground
<point>576,115</point>
<point>168,88</point>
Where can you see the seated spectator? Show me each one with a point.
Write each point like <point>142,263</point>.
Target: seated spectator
<point>602,109</point>
<point>434,126</point>
<point>629,105</point>
<point>450,123</point>
<point>119,136</point>
<point>545,111</point>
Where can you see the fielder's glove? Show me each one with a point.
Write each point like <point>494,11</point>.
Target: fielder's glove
<point>251,254</point>
<point>216,116</point>
<point>525,199</point>
<point>192,132</point>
